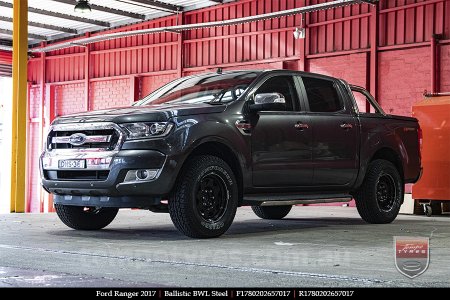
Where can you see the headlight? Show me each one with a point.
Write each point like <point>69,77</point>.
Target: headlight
<point>146,130</point>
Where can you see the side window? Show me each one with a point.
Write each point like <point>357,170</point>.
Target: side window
<point>322,95</point>
<point>283,85</point>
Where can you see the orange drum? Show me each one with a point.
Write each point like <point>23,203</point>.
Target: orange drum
<point>433,114</point>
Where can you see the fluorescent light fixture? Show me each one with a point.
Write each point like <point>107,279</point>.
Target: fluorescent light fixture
<point>82,7</point>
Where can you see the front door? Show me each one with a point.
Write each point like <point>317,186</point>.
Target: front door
<point>281,140</point>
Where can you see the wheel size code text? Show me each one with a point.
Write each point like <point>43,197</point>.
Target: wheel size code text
<point>243,293</point>
<point>325,293</point>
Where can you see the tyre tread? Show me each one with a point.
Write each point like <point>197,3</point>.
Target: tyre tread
<point>366,202</point>
<point>272,212</point>
<point>75,218</point>
<point>179,201</point>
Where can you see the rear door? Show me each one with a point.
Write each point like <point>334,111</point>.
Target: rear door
<point>335,132</point>
<point>281,140</point>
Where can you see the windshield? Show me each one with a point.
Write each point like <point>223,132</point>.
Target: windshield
<point>206,88</point>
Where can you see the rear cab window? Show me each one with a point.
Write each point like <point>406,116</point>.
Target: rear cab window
<point>365,103</point>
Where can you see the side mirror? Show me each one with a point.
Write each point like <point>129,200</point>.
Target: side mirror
<point>268,102</point>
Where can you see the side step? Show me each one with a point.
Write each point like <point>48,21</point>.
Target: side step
<point>274,200</point>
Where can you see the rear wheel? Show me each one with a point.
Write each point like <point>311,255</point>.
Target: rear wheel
<point>272,212</point>
<point>204,201</point>
<point>379,198</point>
<point>85,218</point>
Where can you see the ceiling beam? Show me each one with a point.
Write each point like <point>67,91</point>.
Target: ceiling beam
<point>158,5</point>
<point>4,42</point>
<point>30,35</point>
<point>41,25</point>
<point>5,68</point>
<point>107,9</point>
<point>60,15</point>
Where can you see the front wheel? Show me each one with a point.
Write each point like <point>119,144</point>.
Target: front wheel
<point>272,212</point>
<point>204,201</point>
<point>85,218</point>
<point>379,198</point>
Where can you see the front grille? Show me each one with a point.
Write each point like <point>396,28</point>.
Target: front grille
<point>77,175</point>
<point>105,139</point>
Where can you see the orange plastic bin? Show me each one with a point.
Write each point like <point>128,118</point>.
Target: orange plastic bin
<point>433,187</point>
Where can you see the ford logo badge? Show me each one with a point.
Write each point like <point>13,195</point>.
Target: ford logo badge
<point>77,139</point>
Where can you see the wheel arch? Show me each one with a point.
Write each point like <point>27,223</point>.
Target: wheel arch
<point>385,153</point>
<point>220,149</point>
<point>391,156</point>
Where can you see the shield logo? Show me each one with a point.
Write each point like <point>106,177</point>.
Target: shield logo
<point>412,255</point>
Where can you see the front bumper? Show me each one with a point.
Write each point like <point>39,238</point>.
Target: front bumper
<point>111,191</point>
<point>104,201</point>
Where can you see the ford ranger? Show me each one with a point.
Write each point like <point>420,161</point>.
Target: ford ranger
<point>204,145</point>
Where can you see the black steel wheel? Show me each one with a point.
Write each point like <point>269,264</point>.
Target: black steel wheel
<point>204,201</point>
<point>386,192</point>
<point>380,196</point>
<point>212,198</point>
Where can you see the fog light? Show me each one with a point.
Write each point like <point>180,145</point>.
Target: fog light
<point>140,175</point>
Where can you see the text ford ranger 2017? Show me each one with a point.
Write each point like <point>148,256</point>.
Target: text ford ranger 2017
<point>201,146</point>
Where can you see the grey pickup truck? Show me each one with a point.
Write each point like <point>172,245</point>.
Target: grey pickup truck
<point>204,145</point>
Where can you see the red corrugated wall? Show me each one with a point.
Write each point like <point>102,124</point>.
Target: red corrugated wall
<point>5,57</point>
<point>386,48</point>
<point>5,63</point>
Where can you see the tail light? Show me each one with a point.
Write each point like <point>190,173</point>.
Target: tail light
<point>420,137</point>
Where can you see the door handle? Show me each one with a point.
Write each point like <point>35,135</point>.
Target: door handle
<point>346,126</point>
<point>301,126</point>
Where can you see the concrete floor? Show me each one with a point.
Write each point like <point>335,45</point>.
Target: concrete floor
<point>314,246</point>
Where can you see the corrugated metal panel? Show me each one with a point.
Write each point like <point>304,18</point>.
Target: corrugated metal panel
<point>253,41</point>
<point>140,54</point>
<point>340,29</point>
<point>113,19</point>
<point>69,10</point>
<point>34,68</point>
<point>6,25</point>
<point>403,21</point>
<point>5,57</point>
<point>58,22</point>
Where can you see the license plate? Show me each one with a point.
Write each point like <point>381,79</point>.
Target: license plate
<point>72,164</point>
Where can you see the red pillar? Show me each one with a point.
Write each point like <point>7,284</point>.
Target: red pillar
<point>42,123</point>
<point>434,65</point>
<point>49,116</point>
<point>304,43</point>
<point>87,74</point>
<point>373,68</point>
<point>135,82</point>
<point>180,54</point>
